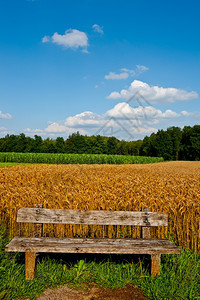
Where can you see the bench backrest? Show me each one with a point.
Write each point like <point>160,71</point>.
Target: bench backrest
<point>91,217</point>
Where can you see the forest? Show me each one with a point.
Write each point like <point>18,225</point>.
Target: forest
<point>172,144</point>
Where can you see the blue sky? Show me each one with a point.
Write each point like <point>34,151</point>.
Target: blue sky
<point>122,68</point>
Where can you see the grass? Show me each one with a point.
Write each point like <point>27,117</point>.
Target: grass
<point>10,164</point>
<point>179,279</point>
<point>60,158</point>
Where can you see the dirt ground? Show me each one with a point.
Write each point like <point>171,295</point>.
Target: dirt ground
<point>65,293</point>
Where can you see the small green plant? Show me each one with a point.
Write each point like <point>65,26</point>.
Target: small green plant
<point>80,268</point>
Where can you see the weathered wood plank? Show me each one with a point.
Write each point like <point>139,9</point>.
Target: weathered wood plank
<point>76,245</point>
<point>155,264</point>
<point>145,230</point>
<point>30,268</point>
<point>38,227</point>
<point>101,217</point>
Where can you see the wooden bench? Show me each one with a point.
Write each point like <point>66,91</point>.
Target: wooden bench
<point>38,244</point>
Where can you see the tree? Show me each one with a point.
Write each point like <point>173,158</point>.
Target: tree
<point>186,151</point>
<point>98,145</point>
<point>176,136</point>
<point>10,143</point>
<point>163,145</point>
<point>134,147</point>
<point>38,144</point>
<point>112,145</point>
<point>145,147</point>
<point>123,148</point>
<point>59,145</point>
<point>48,146</point>
<point>195,141</point>
<point>76,143</point>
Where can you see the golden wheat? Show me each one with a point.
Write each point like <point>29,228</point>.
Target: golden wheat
<point>171,187</point>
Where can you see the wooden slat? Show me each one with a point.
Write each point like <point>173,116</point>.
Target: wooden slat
<point>93,217</point>
<point>38,227</point>
<point>145,230</point>
<point>79,245</point>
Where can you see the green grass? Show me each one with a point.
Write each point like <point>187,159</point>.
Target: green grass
<point>10,164</point>
<point>179,279</point>
<point>52,158</point>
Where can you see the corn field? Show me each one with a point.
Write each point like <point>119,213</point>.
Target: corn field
<point>170,187</point>
<point>60,158</point>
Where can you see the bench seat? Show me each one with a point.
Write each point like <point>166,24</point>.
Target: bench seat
<point>89,245</point>
<point>40,244</point>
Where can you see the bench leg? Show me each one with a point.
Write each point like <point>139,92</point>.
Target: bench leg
<point>155,264</point>
<point>30,265</point>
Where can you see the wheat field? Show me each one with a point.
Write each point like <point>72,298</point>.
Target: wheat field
<point>170,187</point>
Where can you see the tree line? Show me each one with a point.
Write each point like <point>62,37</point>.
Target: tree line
<point>171,144</point>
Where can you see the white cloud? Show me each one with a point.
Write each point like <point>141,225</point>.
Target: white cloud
<point>153,93</point>
<point>84,119</point>
<point>4,131</point>
<point>98,28</point>
<point>124,110</point>
<point>170,114</point>
<point>145,130</point>
<point>46,39</point>
<point>53,130</point>
<point>114,76</point>
<point>33,131</point>
<point>72,38</point>
<point>56,127</point>
<point>99,85</point>
<point>122,121</point>
<point>188,114</point>
<point>5,116</point>
<point>131,72</point>
<point>120,110</point>
<point>114,95</point>
<point>141,68</point>
<point>85,50</point>
<point>126,73</point>
<point>79,122</point>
